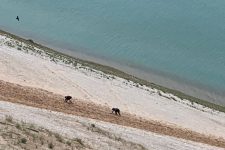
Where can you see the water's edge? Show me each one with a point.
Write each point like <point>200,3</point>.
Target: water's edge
<point>133,75</point>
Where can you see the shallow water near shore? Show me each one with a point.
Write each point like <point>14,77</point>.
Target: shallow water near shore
<point>178,44</point>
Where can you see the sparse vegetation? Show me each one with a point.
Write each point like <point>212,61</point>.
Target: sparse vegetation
<point>114,137</point>
<point>92,125</point>
<point>8,118</point>
<point>79,141</point>
<point>21,136</point>
<point>68,143</point>
<point>41,138</point>
<point>50,145</point>
<point>59,138</point>
<point>30,40</point>
<point>23,140</point>
<point>18,126</point>
<point>160,94</point>
<point>34,136</point>
<point>31,126</point>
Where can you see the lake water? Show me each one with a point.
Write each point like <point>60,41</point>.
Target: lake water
<point>176,43</point>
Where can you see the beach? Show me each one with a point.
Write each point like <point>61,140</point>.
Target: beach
<point>29,66</point>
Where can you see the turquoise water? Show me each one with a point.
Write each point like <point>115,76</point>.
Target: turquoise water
<point>184,39</point>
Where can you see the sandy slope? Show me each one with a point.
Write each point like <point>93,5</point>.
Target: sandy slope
<point>39,71</point>
<point>102,136</point>
<point>47,100</point>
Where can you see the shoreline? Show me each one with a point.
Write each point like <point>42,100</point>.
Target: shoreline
<point>187,89</point>
<point>169,82</point>
<point>165,81</point>
<point>113,71</point>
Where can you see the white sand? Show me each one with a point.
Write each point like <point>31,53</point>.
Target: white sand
<point>76,127</point>
<point>38,71</point>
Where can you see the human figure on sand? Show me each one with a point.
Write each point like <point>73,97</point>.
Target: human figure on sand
<point>68,99</point>
<point>116,110</point>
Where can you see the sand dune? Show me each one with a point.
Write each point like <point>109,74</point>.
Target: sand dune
<point>26,68</point>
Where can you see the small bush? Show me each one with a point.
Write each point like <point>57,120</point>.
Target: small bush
<point>42,140</point>
<point>30,40</point>
<point>93,125</point>
<point>34,137</point>
<point>58,137</point>
<point>160,94</point>
<point>18,126</point>
<point>10,135</point>
<point>50,145</point>
<point>31,126</point>
<point>68,143</point>
<point>79,141</point>
<point>23,140</point>
<point>118,138</point>
<point>49,133</point>
<point>9,118</point>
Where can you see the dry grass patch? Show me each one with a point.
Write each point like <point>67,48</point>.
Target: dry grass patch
<point>19,135</point>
